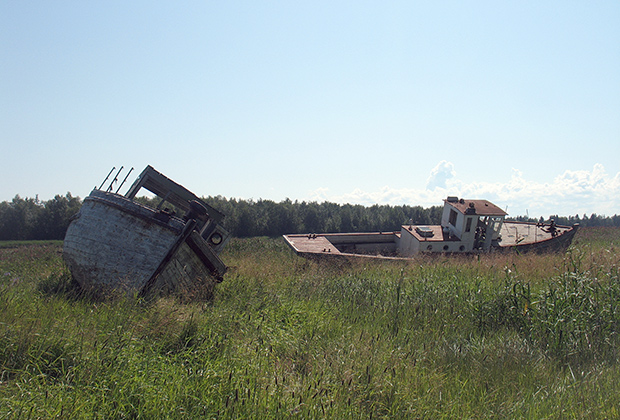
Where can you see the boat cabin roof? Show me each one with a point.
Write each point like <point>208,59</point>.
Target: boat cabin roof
<point>170,191</point>
<point>433,233</point>
<point>475,207</point>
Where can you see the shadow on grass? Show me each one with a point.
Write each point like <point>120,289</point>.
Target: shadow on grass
<point>62,284</point>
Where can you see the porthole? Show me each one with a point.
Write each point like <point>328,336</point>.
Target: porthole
<point>216,239</point>
<point>429,248</point>
<point>462,248</point>
<point>446,247</point>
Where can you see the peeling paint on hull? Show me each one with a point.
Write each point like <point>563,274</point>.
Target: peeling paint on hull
<point>116,244</point>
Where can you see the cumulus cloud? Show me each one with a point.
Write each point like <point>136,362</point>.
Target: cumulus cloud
<point>440,175</point>
<point>570,193</point>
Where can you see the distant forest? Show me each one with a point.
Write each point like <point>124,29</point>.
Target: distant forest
<point>32,219</point>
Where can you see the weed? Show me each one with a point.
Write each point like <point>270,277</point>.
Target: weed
<point>499,336</point>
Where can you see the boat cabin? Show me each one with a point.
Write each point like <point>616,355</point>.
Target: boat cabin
<point>208,225</point>
<point>466,226</point>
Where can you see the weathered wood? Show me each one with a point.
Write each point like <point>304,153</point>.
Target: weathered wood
<point>186,275</point>
<point>114,243</point>
<point>169,190</point>
<point>106,247</point>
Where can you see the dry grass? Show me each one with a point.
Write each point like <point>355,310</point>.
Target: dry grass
<point>500,336</point>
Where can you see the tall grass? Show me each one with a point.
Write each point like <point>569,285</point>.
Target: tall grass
<point>499,336</point>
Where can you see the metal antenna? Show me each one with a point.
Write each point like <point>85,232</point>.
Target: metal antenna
<point>114,180</point>
<point>126,176</point>
<point>106,178</point>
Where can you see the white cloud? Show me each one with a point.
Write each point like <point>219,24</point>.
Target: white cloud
<point>572,192</point>
<point>440,175</point>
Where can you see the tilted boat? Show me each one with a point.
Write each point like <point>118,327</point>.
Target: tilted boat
<point>467,226</point>
<point>115,243</point>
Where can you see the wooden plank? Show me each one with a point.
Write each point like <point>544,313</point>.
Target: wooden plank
<point>169,190</point>
<point>105,246</point>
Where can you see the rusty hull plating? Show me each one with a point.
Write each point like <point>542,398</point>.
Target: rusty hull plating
<point>467,226</point>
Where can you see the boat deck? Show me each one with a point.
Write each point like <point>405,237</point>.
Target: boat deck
<point>386,243</point>
<point>314,244</point>
<point>520,233</point>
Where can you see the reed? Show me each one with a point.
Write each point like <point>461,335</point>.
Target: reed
<point>499,336</point>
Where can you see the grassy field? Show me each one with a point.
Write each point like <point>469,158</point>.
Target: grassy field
<point>495,336</point>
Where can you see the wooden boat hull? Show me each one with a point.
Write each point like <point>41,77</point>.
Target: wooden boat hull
<point>114,243</point>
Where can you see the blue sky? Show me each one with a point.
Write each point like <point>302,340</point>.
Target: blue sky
<point>361,102</point>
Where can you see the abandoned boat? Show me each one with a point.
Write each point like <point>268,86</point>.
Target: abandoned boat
<point>467,226</point>
<point>116,243</point>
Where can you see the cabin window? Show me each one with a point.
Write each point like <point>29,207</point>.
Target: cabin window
<point>453,217</point>
<point>468,225</point>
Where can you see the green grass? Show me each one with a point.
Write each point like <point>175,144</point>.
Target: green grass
<point>500,336</point>
<point>17,244</point>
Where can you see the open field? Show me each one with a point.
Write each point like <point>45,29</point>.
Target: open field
<point>495,336</point>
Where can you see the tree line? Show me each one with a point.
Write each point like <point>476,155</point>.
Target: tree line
<point>245,218</point>
<point>33,219</point>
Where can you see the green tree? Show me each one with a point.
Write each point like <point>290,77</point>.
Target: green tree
<point>55,216</point>
<point>19,218</point>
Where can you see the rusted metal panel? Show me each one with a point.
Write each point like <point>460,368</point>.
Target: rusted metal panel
<point>311,243</point>
<point>482,229</point>
<point>479,207</point>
